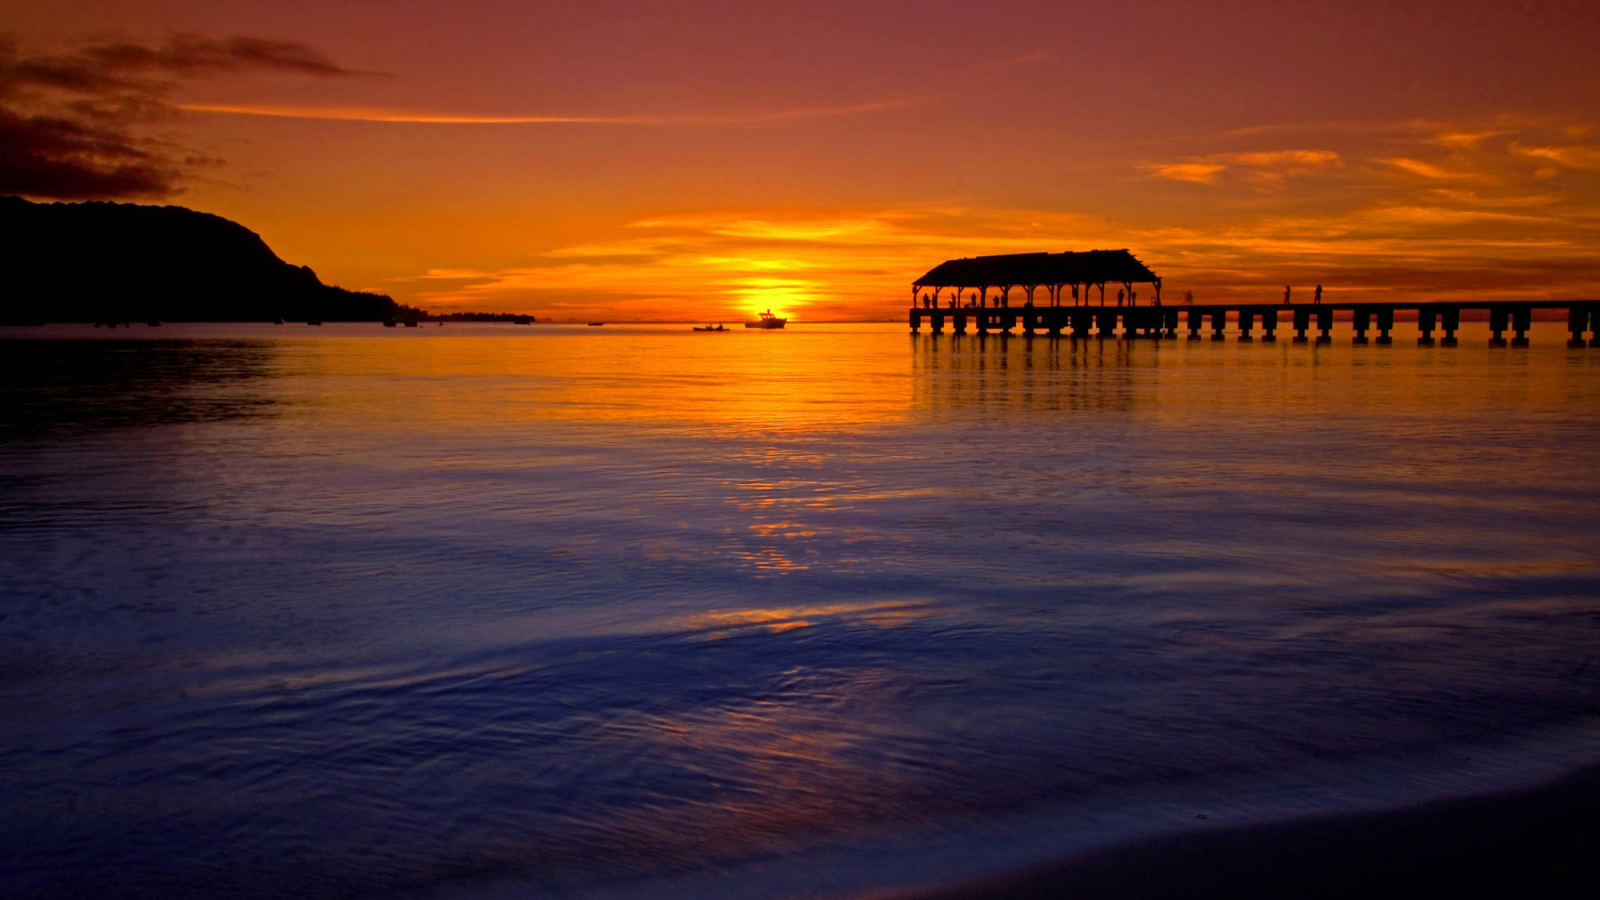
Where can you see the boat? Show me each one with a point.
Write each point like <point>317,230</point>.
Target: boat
<point>595,324</point>
<point>388,323</point>
<point>716,327</point>
<point>767,320</point>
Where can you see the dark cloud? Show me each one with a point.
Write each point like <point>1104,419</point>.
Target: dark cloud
<point>41,156</point>
<point>188,55</point>
<point>70,122</point>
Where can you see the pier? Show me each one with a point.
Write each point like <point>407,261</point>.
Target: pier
<point>1371,322</point>
<point>1082,275</point>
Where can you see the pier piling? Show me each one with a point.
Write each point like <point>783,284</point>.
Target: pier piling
<point>1451,317</point>
<point>1499,317</point>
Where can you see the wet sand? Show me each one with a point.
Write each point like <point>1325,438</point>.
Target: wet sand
<point>1542,842</point>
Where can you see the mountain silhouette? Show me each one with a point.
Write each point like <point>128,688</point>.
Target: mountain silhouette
<point>121,262</point>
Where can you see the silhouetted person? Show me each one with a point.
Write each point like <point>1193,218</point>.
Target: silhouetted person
<point>1286,295</point>
<point>1318,297</point>
<point>1120,296</point>
<point>1133,298</point>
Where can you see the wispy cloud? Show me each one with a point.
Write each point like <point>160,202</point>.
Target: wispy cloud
<point>1434,171</point>
<point>1582,157</point>
<point>1468,140</point>
<point>734,120</point>
<point>1197,172</point>
<point>1264,166</point>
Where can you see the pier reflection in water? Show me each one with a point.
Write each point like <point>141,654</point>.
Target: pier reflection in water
<point>599,607</point>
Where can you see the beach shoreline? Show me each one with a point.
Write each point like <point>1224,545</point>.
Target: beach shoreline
<point>1532,842</point>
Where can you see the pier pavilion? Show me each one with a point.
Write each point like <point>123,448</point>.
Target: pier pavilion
<point>969,281</point>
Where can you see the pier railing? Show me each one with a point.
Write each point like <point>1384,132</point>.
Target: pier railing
<point>1516,316</point>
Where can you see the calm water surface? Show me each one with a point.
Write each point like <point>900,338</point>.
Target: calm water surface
<point>486,610</point>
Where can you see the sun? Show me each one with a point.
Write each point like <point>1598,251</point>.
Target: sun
<point>783,296</point>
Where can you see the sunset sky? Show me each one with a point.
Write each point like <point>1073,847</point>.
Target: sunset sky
<point>705,160</point>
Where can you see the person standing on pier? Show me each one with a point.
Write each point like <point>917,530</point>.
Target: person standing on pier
<point>1318,298</point>
<point>1286,295</point>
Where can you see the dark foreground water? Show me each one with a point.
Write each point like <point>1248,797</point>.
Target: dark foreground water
<point>498,611</point>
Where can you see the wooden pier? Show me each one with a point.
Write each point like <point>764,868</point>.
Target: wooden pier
<point>1083,274</point>
<point>1374,319</point>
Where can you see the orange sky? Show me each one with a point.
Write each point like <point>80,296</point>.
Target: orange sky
<point>703,160</point>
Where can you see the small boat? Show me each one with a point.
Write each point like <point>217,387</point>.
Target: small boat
<point>412,323</point>
<point>767,320</point>
<point>716,327</point>
<point>595,324</point>
<point>522,320</point>
<point>388,323</point>
<point>278,322</point>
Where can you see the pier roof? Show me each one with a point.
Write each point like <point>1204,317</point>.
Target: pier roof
<point>1084,267</point>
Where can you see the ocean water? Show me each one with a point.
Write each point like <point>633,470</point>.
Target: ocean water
<point>637,612</point>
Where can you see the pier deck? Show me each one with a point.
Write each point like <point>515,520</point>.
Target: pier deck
<point>1444,317</point>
